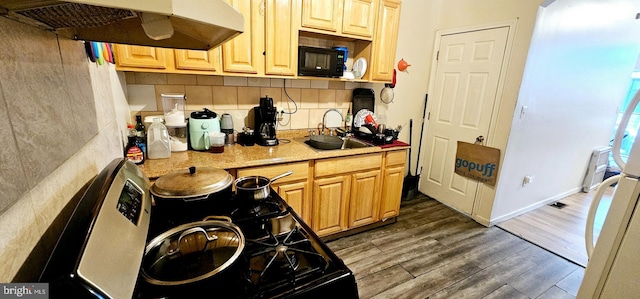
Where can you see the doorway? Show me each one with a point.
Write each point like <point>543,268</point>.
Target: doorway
<point>465,92</point>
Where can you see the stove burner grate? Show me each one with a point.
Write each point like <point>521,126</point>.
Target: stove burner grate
<point>287,259</point>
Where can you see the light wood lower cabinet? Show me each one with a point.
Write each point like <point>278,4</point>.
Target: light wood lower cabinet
<point>297,196</point>
<point>346,193</point>
<point>392,179</point>
<point>330,202</point>
<point>294,189</point>
<point>338,194</point>
<point>364,201</point>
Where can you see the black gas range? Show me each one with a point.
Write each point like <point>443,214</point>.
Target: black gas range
<point>282,257</point>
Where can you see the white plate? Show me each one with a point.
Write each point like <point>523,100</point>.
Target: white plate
<point>359,118</point>
<point>359,67</point>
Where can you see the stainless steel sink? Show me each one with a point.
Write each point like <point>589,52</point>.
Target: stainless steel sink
<point>347,143</point>
<point>350,142</point>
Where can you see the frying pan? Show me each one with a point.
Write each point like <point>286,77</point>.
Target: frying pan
<point>386,94</point>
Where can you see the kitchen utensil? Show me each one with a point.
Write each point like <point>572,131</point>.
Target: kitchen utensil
<point>217,140</point>
<point>256,187</point>
<point>370,121</point>
<point>282,224</point>
<point>178,138</point>
<point>246,137</point>
<point>360,118</point>
<point>324,142</point>
<point>387,94</point>
<point>359,68</point>
<point>379,139</point>
<point>382,128</point>
<point>189,194</point>
<point>362,98</point>
<point>173,106</point>
<point>403,65</point>
<point>364,130</point>
<point>226,122</point>
<point>192,252</point>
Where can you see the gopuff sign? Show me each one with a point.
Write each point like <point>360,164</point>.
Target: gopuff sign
<point>477,162</point>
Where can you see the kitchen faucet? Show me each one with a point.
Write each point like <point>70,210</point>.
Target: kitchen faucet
<point>325,115</point>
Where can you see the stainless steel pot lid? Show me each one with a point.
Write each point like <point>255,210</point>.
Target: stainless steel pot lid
<point>192,182</point>
<point>192,252</point>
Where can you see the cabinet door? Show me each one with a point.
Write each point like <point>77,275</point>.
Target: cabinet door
<point>297,196</point>
<point>385,40</point>
<point>321,14</point>
<point>243,54</point>
<point>330,196</point>
<point>391,191</point>
<point>281,38</point>
<point>364,202</point>
<point>359,17</point>
<point>140,57</point>
<point>198,60</point>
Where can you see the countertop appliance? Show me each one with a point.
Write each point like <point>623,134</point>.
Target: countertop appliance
<point>282,256</point>
<point>265,122</point>
<point>201,123</point>
<point>614,262</point>
<point>181,24</point>
<point>321,62</point>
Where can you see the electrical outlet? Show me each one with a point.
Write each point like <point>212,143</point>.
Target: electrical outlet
<point>280,116</point>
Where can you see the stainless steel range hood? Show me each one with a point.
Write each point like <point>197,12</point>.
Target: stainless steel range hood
<point>181,24</point>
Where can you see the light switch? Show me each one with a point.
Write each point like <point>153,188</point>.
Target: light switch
<point>523,111</point>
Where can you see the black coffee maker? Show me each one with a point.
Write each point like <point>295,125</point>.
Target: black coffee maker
<point>265,122</point>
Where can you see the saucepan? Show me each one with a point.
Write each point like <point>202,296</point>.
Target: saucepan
<point>256,187</point>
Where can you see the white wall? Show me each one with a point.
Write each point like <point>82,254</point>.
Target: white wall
<point>577,73</point>
<point>420,20</point>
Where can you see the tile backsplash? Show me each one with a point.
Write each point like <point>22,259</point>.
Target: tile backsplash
<point>238,95</point>
<point>60,124</point>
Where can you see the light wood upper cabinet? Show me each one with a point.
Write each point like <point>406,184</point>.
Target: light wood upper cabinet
<point>350,18</point>
<point>359,17</point>
<point>198,60</point>
<point>383,52</point>
<point>141,57</point>
<point>243,54</point>
<point>321,14</point>
<point>281,38</point>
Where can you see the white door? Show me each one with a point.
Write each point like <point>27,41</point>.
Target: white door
<point>462,101</point>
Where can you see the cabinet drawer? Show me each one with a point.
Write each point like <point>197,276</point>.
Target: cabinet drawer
<point>300,171</point>
<point>396,157</point>
<point>347,164</point>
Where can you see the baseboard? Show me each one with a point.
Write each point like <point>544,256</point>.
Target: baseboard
<point>534,206</point>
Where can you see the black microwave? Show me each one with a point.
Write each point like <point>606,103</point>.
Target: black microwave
<point>320,62</point>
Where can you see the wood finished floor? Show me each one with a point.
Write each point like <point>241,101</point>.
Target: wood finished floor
<point>436,252</point>
<point>561,231</point>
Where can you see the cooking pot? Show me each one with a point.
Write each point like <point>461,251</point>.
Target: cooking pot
<point>192,252</point>
<point>189,194</point>
<point>256,187</point>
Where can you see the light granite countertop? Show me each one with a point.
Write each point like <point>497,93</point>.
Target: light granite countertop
<point>237,156</point>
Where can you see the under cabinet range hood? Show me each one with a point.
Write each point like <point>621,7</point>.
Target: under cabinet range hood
<point>180,24</point>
